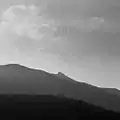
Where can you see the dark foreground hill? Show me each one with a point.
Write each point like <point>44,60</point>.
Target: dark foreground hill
<point>39,107</point>
<point>17,79</point>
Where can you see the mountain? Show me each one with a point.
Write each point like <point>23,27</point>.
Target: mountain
<point>20,79</point>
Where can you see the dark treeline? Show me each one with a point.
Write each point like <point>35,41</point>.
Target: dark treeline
<point>39,107</point>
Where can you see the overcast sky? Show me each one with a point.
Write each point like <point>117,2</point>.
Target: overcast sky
<point>78,37</point>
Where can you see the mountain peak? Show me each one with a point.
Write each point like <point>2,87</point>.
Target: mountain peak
<point>61,74</point>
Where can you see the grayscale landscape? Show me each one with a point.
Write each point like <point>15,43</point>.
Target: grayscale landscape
<point>59,59</point>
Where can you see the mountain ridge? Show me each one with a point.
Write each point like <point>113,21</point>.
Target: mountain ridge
<point>16,78</point>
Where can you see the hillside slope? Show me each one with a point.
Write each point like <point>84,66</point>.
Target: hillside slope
<point>19,79</point>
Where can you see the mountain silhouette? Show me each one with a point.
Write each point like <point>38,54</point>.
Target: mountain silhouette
<point>18,79</point>
<point>24,106</point>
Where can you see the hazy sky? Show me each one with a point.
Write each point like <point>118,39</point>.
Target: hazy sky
<point>78,37</point>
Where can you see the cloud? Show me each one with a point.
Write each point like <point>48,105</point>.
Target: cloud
<point>82,24</point>
<point>87,15</point>
<point>22,24</point>
<point>91,24</point>
<point>88,24</point>
<point>25,21</point>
